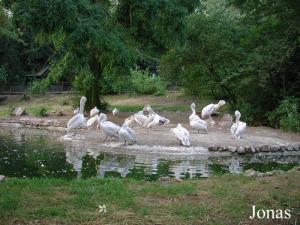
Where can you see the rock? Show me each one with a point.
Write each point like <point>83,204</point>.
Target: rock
<point>296,147</point>
<point>231,149</point>
<point>2,178</point>
<point>221,149</point>
<point>264,148</point>
<point>248,149</point>
<point>164,179</point>
<point>289,148</point>
<point>59,113</point>
<point>257,148</point>
<point>19,111</point>
<point>295,169</point>
<point>251,173</point>
<point>275,148</point>
<point>213,148</point>
<point>283,148</point>
<point>254,173</point>
<point>240,150</point>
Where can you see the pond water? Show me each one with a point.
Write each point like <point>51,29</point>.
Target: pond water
<point>39,154</point>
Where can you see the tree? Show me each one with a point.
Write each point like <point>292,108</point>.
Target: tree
<point>85,39</point>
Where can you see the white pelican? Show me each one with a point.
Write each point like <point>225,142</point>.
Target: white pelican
<point>208,110</point>
<point>195,121</point>
<point>110,129</point>
<point>115,111</point>
<point>153,117</point>
<point>154,121</point>
<point>94,111</point>
<point>92,121</point>
<point>78,121</point>
<point>182,135</point>
<point>198,125</point>
<point>238,128</point>
<point>126,134</point>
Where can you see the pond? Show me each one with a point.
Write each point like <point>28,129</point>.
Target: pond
<point>38,153</point>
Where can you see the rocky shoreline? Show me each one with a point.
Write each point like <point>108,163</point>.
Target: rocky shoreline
<point>255,149</point>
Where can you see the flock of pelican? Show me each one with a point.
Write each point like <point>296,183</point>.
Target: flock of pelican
<point>126,134</point>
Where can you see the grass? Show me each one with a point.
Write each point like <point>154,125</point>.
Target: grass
<point>42,105</point>
<point>218,200</point>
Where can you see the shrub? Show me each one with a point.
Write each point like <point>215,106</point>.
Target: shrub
<point>286,115</point>
<point>40,111</point>
<point>144,83</point>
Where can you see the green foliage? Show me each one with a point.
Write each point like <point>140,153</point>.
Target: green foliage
<point>40,111</point>
<point>239,54</point>
<point>144,83</point>
<point>3,77</point>
<point>286,115</point>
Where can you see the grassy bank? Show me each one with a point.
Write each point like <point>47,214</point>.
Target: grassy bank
<point>218,200</point>
<point>40,105</point>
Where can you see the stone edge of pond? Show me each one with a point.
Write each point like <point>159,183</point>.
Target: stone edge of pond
<point>36,123</point>
<point>255,148</point>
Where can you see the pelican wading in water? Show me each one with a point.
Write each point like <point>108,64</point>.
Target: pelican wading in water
<point>195,121</point>
<point>109,128</point>
<point>238,128</point>
<point>127,134</point>
<point>208,110</point>
<point>78,121</point>
<point>182,135</point>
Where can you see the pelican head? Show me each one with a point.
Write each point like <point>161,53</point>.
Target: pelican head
<point>237,115</point>
<point>179,125</point>
<point>221,103</point>
<point>193,105</point>
<point>83,99</point>
<point>102,117</point>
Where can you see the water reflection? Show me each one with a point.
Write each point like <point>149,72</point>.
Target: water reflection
<point>40,155</point>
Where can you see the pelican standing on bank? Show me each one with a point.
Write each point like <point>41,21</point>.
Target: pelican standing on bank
<point>195,121</point>
<point>115,111</point>
<point>238,128</point>
<point>127,134</point>
<point>109,128</point>
<point>182,135</point>
<point>92,121</point>
<point>78,121</point>
<point>208,110</point>
<point>94,111</point>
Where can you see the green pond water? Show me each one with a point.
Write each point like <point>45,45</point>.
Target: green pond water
<point>27,154</point>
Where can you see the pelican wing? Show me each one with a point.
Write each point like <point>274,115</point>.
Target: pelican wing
<point>207,110</point>
<point>198,124</point>
<point>109,128</point>
<point>76,121</point>
<point>91,121</point>
<point>131,133</point>
<point>182,134</point>
<point>240,130</point>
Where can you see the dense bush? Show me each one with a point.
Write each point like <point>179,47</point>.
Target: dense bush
<point>286,115</point>
<point>142,82</point>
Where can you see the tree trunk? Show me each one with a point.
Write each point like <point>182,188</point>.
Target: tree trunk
<point>93,94</point>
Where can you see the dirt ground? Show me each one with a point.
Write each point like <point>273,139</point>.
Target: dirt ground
<point>160,140</point>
